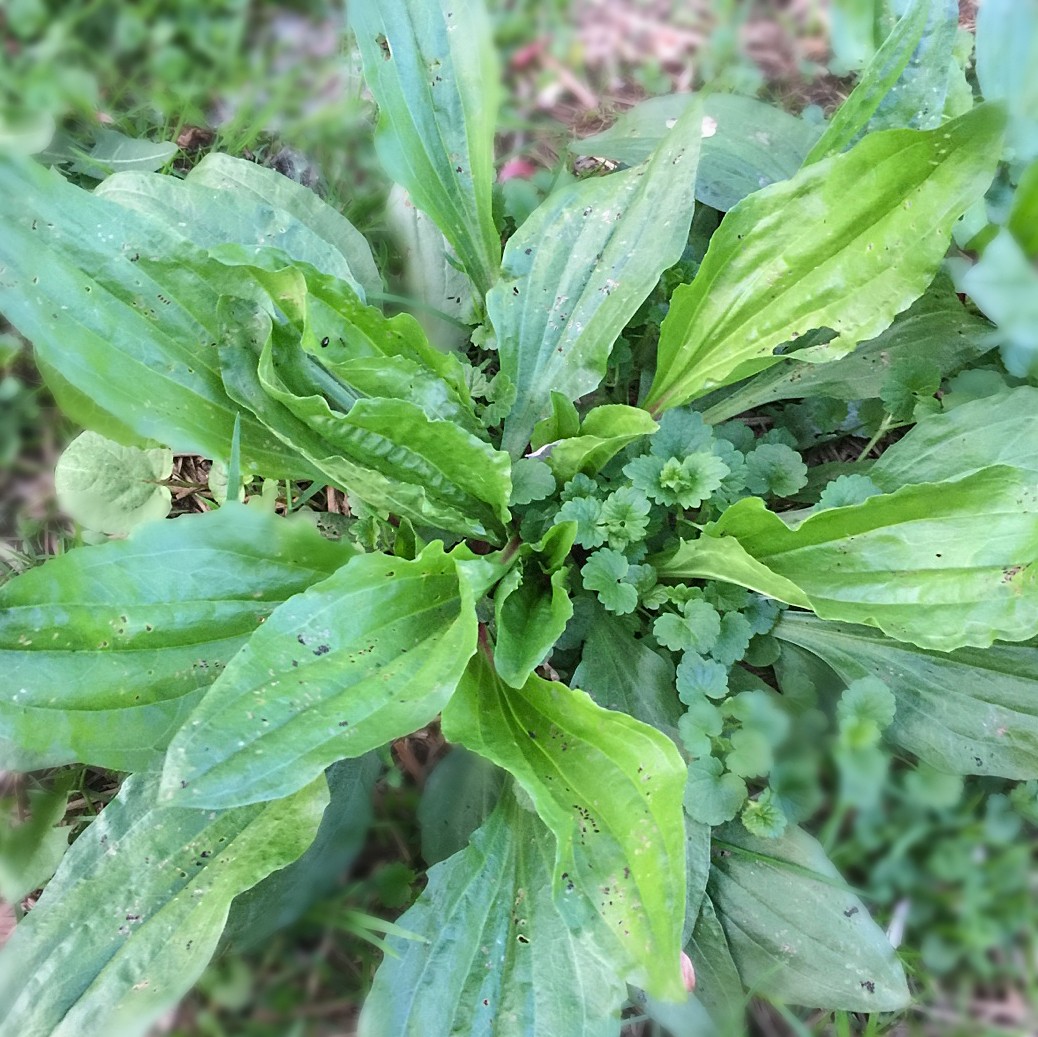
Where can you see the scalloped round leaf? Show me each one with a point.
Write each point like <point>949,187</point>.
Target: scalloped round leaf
<point>111,488</point>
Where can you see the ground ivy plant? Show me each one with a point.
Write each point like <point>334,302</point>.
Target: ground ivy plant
<point>561,544</point>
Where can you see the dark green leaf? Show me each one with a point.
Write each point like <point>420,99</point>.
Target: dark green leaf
<point>623,673</point>
<point>107,649</point>
<point>718,984</point>
<point>795,932</point>
<point>577,270</point>
<point>493,952</point>
<point>369,654</point>
<point>971,711</point>
<point>458,797</point>
<point>846,244</point>
<point>433,72</point>
<point>609,788</point>
<point>135,911</point>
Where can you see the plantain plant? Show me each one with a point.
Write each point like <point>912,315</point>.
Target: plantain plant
<point>630,609</point>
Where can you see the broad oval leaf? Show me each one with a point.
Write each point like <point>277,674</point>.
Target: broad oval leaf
<point>576,271</point>
<point>433,72</point>
<point>795,932</point>
<point>136,909</point>
<point>610,788</point>
<point>941,565</point>
<point>367,655</point>
<point>107,649</point>
<point>1000,429</point>
<point>220,203</point>
<point>492,953</point>
<point>970,711</point>
<point>123,317</point>
<point>112,488</point>
<point>845,244</point>
<point>751,144</point>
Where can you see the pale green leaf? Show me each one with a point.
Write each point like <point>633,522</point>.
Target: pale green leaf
<point>367,655</point>
<point>493,952</point>
<point>609,787</point>
<point>1000,429</point>
<point>136,909</point>
<point>1007,69</point>
<point>845,244</point>
<point>122,316</point>
<point>724,558</point>
<point>752,144</point>
<point>440,294</point>
<point>225,200</point>
<point>577,270</point>
<point>114,152</point>
<point>112,488</point>
<point>433,72</point>
<point>941,565</point>
<point>970,711</point>
<point>795,932</point>
<point>107,649</point>
<point>605,431</point>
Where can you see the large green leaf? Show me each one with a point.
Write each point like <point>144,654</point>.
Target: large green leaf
<point>226,200</point>
<point>135,911</point>
<point>123,319</point>
<point>577,270</point>
<point>795,932</point>
<point>495,954</point>
<point>941,565</point>
<point>105,650</point>
<point>936,326</point>
<point>971,711</point>
<point>433,72</point>
<point>1000,429</point>
<point>845,244</point>
<point>751,144</point>
<point>367,655</point>
<point>905,82</point>
<point>610,788</point>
